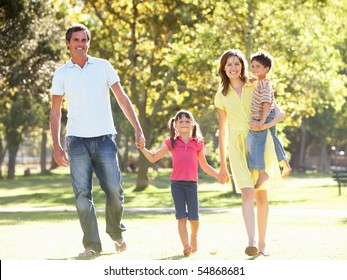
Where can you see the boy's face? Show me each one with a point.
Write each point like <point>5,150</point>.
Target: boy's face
<point>259,69</point>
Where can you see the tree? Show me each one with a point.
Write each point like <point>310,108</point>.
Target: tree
<point>28,49</point>
<point>142,36</point>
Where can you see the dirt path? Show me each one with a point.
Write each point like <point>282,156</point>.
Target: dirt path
<point>293,234</point>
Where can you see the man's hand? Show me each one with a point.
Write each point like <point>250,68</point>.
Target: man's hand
<point>140,141</point>
<point>60,157</point>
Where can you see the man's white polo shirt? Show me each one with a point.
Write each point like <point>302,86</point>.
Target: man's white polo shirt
<point>87,93</point>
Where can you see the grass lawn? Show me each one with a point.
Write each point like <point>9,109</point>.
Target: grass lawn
<point>308,220</point>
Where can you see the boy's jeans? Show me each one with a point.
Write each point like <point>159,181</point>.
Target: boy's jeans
<point>98,154</point>
<point>256,146</point>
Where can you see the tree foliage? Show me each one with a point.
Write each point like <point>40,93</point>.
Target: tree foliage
<point>166,53</point>
<point>28,51</point>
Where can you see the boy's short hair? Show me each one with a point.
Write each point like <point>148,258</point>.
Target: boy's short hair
<point>75,28</point>
<point>263,58</point>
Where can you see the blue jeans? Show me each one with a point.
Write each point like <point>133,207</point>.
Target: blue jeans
<point>98,154</point>
<point>185,196</point>
<point>256,146</point>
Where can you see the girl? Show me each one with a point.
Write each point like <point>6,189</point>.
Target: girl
<point>187,148</point>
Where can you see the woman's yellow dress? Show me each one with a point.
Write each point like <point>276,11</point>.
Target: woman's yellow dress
<point>239,114</point>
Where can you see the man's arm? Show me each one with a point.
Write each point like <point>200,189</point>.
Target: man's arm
<point>129,111</point>
<point>55,122</point>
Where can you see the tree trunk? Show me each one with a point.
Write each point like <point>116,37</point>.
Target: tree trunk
<point>12,154</point>
<point>249,28</point>
<point>323,159</point>
<point>142,175</point>
<point>125,161</point>
<point>54,165</point>
<point>2,155</point>
<point>302,142</point>
<point>62,141</point>
<point>43,152</point>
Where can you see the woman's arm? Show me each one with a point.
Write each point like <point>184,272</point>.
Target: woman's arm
<point>223,142</point>
<point>157,155</point>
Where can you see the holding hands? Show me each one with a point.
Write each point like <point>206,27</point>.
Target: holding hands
<point>256,125</point>
<point>223,176</point>
<point>140,141</point>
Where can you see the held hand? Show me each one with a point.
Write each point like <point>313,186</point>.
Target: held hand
<point>253,79</point>
<point>223,179</point>
<point>140,142</point>
<point>256,125</point>
<point>223,176</point>
<point>253,125</point>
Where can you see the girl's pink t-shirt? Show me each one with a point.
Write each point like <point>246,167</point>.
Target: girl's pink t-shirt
<point>185,159</point>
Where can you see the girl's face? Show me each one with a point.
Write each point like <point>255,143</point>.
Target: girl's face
<point>184,125</point>
<point>259,69</point>
<point>233,67</point>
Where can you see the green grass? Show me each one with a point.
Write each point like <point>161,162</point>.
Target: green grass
<point>308,220</point>
<point>300,190</point>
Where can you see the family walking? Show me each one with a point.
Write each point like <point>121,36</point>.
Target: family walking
<point>246,112</point>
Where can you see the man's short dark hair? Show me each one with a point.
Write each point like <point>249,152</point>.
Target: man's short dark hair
<point>75,28</point>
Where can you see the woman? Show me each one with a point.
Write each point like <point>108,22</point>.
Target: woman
<point>233,101</point>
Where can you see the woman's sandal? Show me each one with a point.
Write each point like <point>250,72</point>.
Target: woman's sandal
<point>251,251</point>
<point>89,253</point>
<point>120,247</point>
<point>264,254</point>
<point>187,251</point>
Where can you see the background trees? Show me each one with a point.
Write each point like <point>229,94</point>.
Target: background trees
<point>28,50</point>
<point>166,54</point>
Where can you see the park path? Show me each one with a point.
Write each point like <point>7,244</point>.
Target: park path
<point>337,213</point>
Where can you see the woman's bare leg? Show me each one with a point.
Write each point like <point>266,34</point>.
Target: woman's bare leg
<point>262,217</point>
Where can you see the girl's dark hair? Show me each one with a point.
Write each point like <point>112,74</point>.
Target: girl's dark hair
<point>196,133</point>
<point>75,28</point>
<point>225,82</point>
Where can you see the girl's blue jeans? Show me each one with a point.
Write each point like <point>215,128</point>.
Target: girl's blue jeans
<point>99,155</point>
<point>185,196</point>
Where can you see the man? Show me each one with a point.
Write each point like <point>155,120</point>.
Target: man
<point>84,82</point>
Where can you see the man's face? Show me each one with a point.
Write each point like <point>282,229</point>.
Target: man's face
<point>78,44</point>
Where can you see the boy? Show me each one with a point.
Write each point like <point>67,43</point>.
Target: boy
<point>262,112</point>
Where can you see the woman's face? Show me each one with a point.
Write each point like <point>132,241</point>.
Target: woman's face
<point>233,67</point>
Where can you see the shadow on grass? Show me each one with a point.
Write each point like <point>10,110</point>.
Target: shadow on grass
<point>48,198</point>
<point>219,199</point>
<point>35,182</point>
<point>15,218</point>
<point>286,202</point>
<point>173,258</point>
<point>344,221</point>
<point>82,258</point>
